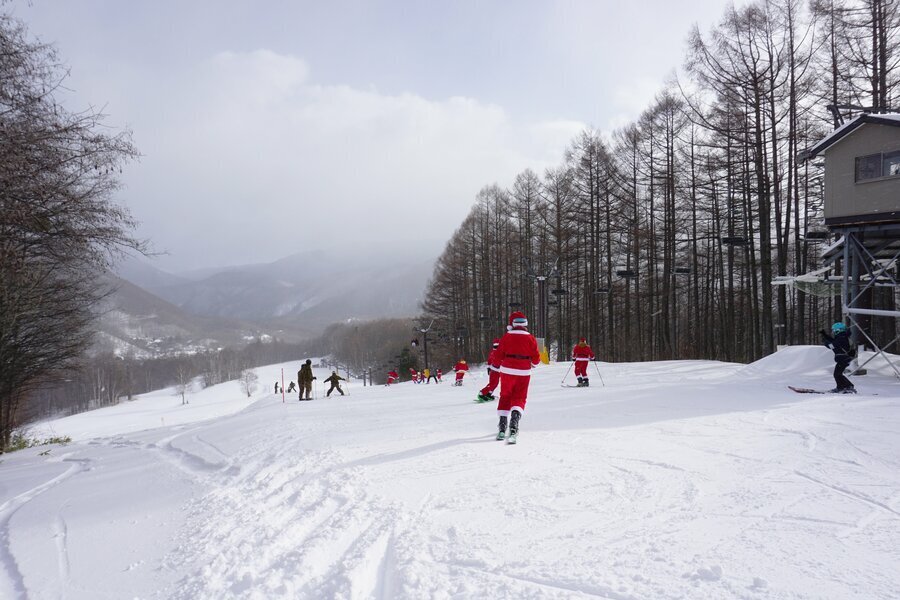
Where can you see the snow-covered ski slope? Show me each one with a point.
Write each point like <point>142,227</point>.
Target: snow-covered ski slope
<point>687,479</point>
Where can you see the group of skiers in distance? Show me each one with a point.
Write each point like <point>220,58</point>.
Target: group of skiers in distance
<point>427,375</point>
<point>305,380</point>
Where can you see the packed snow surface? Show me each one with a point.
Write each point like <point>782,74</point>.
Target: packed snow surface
<point>681,479</point>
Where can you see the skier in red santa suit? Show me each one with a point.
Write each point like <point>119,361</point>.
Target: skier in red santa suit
<point>414,375</point>
<point>461,369</point>
<point>582,355</point>
<point>392,377</point>
<point>487,392</point>
<point>440,374</point>
<point>517,353</point>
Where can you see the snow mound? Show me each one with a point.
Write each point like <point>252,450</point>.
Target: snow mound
<point>793,360</point>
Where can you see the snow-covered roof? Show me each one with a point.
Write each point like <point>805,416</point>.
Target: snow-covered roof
<point>892,119</point>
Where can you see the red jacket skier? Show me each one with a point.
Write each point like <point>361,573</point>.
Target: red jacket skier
<point>460,368</point>
<point>517,353</point>
<point>393,376</point>
<point>493,365</point>
<point>440,374</point>
<point>414,375</point>
<point>582,355</point>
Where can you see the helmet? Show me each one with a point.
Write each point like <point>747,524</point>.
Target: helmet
<point>838,328</point>
<point>517,319</point>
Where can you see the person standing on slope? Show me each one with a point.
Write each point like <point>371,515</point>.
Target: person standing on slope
<point>334,380</point>
<point>839,343</point>
<point>305,380</point>
<point>518,354</point>
<point>414,375</point>
<point>440,374</point>
<point>461,369</point>
<point>493,365</point>
<point>392,377</point>
<point>582,355</point>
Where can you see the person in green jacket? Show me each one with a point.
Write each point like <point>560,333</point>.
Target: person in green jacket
<point>335,385</point>
<point>305,379</point>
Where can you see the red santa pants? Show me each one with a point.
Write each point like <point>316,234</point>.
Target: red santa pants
<point>513,393</point>
<point>580,368</point>
<point>460,375</point>
<point>493,382</point>
<point>391,380</point>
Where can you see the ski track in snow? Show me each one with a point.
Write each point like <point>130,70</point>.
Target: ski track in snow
<point>12,583</point>
<point>676,480</point>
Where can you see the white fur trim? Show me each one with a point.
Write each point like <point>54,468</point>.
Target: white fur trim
<point>582,360</point>
<point>519,331</point>
<point>511,371</point>
<point>503,413</point>
<point>493,368</point>
<point>519,409</point>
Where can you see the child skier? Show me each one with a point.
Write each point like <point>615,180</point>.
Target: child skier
<point>839,342</point>
<point>440,374</point>
<point>487,392</point>
<point>517,353</point>
<point>461,368</point>
<point>392,377</point>
<point>335,380</point>
<point>582,355</point>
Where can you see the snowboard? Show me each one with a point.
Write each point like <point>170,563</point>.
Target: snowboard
<point>511,439</point>
<point>501,435</point>
<point>483,399</point>
<point>800,390</point>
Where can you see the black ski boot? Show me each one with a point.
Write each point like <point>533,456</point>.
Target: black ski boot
<point>580,382</point>
<point>585,382</point>
<point>502,428</point>
<point>514,417</point>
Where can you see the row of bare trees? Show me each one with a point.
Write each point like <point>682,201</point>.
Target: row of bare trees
<point>662,239</point>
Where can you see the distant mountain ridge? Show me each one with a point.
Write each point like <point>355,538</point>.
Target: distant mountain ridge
<point>290,298</point>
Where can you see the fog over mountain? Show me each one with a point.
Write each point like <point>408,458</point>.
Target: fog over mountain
<point>292,298</point>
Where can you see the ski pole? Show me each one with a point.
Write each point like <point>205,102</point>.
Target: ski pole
<point>598,374</point>
<point>567,374</point>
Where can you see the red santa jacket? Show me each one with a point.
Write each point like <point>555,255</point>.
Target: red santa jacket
<point>461,366</point>
<point>583,353</point>
<point>393,375</point>
<point>493,360</point>
<point>518,351</point>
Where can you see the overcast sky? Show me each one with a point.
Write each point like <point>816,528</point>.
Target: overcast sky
<point>269,128</point>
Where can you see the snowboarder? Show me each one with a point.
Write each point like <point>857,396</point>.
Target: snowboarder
<point>461,368</point>
<point>493,364</point>
<point>305,379</point>
<point>582,355</point>
<point>393,376</point>
<point>518,354</point>
<point>291,388</point>
<point>440,374</point>
<point>839,343</point>
<point>335,380</point>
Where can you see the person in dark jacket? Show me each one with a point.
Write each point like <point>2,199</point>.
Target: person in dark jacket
<point>305,378</point>
<point>291,388</point>
<point>335,380</point>
<point>839,343</point>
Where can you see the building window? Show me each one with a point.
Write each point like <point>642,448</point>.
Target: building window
<point>868,167</point>
<point>891,164</point>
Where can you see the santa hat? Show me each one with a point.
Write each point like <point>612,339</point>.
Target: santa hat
<point>496,342</point>
<point>517,320</point>
<point>582,341</point>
